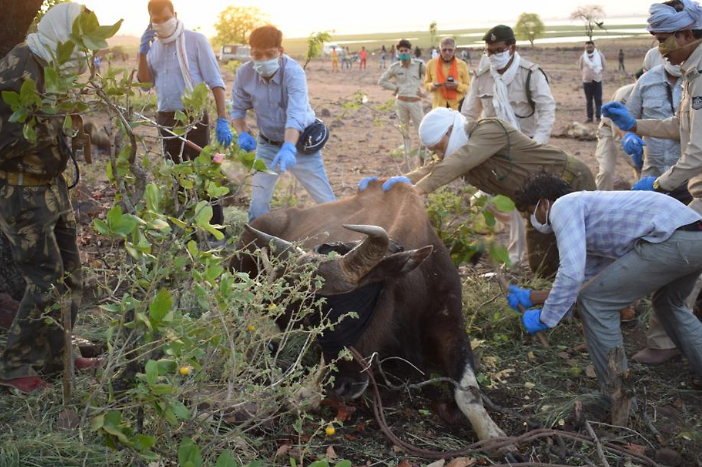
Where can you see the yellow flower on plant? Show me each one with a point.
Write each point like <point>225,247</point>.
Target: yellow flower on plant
<point>185,370</point>
<point>329,430</point>
<point>251,328</point>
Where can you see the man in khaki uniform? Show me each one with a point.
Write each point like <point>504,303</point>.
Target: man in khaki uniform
<point>608,148</point>
<point>496,158</point>
<point>448,78</point>
<point>405,78</point>
<point>516,91</point>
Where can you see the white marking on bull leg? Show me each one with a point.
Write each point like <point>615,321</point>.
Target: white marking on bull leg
<point>472,406</point>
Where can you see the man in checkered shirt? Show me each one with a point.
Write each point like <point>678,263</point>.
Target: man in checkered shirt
<point>615,247</point>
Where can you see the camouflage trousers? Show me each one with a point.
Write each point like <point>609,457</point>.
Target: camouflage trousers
<point>41,228</point>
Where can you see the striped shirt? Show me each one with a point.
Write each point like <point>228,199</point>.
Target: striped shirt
<point>595,228</point>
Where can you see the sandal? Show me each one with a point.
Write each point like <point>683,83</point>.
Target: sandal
<point>25,385</point>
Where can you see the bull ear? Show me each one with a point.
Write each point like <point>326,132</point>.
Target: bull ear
<point>397,265</point>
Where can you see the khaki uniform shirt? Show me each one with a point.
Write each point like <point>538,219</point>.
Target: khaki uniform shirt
<point>432,78</point>
<point>686,125</point>
<point>498,160</point>
<point>535,122</point>
<point>407,80</point>
<point>608,147</point>
<point>17,154</point>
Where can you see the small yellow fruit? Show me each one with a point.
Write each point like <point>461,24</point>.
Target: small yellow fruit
<point>329,430</point>
<point>272,306</point>
<point>184,370</point>
<point>252,328</point>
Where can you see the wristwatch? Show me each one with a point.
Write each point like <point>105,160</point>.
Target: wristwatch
<point>657,187</point>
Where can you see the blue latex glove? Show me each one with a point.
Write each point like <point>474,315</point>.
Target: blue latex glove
<point>285,157</point>
<point>619,115</point>
<point>532,321</point>
<point>246,142</point>
<point>223,132</point>
<point>146,39</point>
<point>633,145</point>
<point>518,296</point>
<point>645,184</point>
<point>363,184</point>
<point>398,179</point>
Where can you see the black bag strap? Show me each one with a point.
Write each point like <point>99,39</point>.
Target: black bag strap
<point>529,97</point>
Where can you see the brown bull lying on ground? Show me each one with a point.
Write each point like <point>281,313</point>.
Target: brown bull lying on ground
<point>409,288</point>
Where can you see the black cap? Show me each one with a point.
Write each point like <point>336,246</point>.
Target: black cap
<point>499,33</point>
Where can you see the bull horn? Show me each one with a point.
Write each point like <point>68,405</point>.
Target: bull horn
<point>280,246</point>
<point>359,261</point>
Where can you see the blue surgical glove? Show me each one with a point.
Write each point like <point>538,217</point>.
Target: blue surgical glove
<point>619,114</point>
<point>223,132</point>
<point>645,184</point>
<point>285,157</point>
<point>518,296</point>
<point>246,142</point>
<point>363,184</point>
<point>633,145</point>
<point>146,39</point>
<point>532,321</point>
<point>398,179</point>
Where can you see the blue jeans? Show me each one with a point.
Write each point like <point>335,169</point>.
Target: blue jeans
<point>593,91</point>
<point>667,270</point>
<point>309,170</point>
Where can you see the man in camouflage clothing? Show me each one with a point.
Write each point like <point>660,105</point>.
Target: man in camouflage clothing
<point>36,213</point>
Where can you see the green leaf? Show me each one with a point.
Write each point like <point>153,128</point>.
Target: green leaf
<point>159,308</point>
<point>180,410</point>
<point>19,115</point>
<point>11,98</point>
<point>503,203</point>
<point>160,390</point>
<point>203,214</point>
<point>226,460</point>
<point>143,442</point>
<point>105,32</point>
<point>29,132</point>
<point>64,52</point>
<point>28,93</point>
<point>189,453</point>
<point>151,372</point>
<point>166,367</point>
<point>499,254</point>
<point>51,80</point>
<point>344,463</point>
<point>94,43</point>
<point>153,197</point>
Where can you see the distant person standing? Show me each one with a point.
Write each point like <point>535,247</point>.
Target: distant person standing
<point>592,63</point>
<point>383,57</point>
<point>434,53</point>
<point>465,56</point>
<point>335,60</point>
<point>447,77</point>
<point>393,54</point>
<point>362,57</point>
<point>343,56</point>
<point>405,79</point>
<point>621,61</point>
<point>417,53</point>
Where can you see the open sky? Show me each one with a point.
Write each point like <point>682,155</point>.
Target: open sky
<point>299,18</point>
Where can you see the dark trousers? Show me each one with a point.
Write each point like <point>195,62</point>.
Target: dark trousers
<point>178,151</point>
<point>593,91</point>
<point>41,228</point>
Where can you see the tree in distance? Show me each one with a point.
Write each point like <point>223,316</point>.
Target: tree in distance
<point>529,27</point>
<point>592,16</point>
<point>432,33</point>
<point>236,22</point>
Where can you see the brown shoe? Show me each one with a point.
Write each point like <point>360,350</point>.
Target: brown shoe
<point>649,356</point>
<point>628,314</point>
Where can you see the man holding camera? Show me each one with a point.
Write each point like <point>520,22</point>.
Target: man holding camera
<point>447,77</point>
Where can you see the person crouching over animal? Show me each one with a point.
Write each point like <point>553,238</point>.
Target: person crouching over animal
<point>616,247</point>
<point>496,158</point>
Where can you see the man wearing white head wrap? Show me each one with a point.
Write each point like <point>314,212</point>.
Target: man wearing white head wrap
<point>36,213</point>
<point>496,158</point>
<point>55,26</point>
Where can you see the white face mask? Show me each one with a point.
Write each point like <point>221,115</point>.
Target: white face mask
<point>543,228</point>
<point>266,68</point>
<point>673,70</point>
<point>166,29</point>
<point>499,61</point>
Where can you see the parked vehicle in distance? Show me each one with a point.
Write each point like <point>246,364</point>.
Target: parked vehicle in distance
<point>327,48</point>
<point>238,52</point>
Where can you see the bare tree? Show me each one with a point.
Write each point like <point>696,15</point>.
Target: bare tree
<point>15,21</point>
<point>592,16</point>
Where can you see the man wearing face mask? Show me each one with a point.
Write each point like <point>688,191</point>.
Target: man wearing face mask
<point>176,62</point>
<point>404,78</point>
<point>616,247</point>
<point>592,63</point>
<point>447,77</point>
<point>517,92</point>
<point>678,27</point>
<point>35,210</point>
<point>275,87</point>
<point>494,157</point>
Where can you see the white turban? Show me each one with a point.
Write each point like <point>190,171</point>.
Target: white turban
<point>55,26</point>
<point>664,18</point>
<point>436,124</point>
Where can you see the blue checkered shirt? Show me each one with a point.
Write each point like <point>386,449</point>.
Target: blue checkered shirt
<point>594,228</point>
